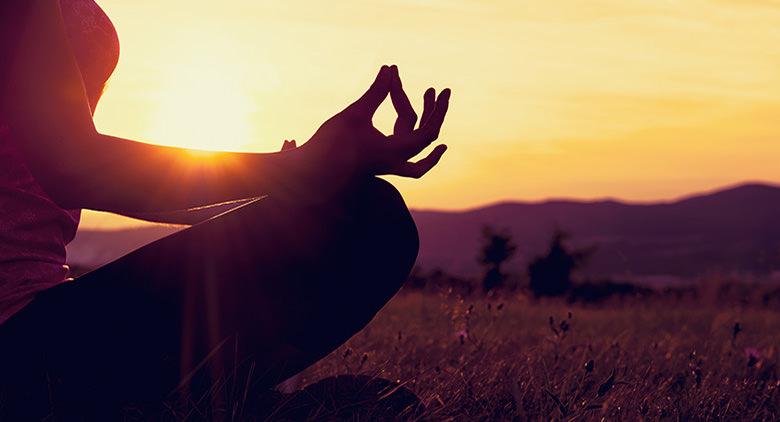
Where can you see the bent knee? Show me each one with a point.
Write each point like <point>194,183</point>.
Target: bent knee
<point>374,247</point>
<point>387,223</point>
<point>380,252</point>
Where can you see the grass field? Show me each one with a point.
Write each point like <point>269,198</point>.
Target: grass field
<point>509,358</point>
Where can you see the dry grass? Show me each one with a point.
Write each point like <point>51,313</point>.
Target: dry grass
<point>508,358</point>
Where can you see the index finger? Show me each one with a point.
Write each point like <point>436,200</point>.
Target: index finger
<point>403,107</point>
<point>367,104</point>
<point>433,125</point>
<point>412,143</point>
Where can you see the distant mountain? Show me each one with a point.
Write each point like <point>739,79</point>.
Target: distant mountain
<point>734,230</point>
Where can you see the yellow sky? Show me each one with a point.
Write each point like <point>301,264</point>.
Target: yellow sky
<point>640,99</point>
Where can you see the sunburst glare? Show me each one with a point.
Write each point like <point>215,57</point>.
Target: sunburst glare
<point>204,105</point>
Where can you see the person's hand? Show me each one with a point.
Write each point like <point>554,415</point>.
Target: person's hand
<point>348,143</point>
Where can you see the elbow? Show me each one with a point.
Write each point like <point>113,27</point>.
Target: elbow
<point>69,200</point>
<point>66,191</point>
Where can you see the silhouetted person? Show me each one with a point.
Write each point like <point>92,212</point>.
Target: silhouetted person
<point>316,246</point>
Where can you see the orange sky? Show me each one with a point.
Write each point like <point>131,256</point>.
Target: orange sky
<point>639,100</point>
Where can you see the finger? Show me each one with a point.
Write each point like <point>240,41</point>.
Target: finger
<point>407,118</point>
<point>420,168</point>
<point>429,103</point>
<point>367,104</point>
<point>433,125</point>
<point>421,138</point>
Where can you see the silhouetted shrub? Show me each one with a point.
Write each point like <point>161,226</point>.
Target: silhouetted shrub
<point>496,250</point>
<point>550,275</point>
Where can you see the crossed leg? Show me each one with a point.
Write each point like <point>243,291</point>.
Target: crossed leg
<point>272,285</point>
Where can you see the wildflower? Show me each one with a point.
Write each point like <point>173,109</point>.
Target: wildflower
<point>607,385</point>
<point>589,366</point>
<point>462,335</point>
<point>561,407</point>
<point>697,376</point>
<point>644,408</point>
<point>753,355</point>
<point>551,322</point>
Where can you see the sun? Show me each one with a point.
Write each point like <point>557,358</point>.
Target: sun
<point>203,104</point>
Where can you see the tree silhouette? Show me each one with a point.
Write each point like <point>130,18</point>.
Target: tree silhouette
<point>550,275</point>
<point>496,250</point>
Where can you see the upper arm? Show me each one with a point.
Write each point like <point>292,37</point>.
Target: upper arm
<point>43,97</point>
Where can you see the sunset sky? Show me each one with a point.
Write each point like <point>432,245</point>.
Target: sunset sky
<point>639,100</point>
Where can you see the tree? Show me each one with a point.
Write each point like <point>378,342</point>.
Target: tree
<point>550,275</point>
<point>496,250</point>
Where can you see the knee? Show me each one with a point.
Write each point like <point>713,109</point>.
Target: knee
<point>380,252</point>
<point>372,248</point>
<point>387,229</point>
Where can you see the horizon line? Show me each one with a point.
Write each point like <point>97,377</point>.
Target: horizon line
<point>593,200</point>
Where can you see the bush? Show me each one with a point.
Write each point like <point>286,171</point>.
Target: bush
<point>550,275</point>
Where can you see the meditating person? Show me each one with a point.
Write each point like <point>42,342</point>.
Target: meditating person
<point>288,254</point>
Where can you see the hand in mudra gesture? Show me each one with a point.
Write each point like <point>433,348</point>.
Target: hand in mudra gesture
<point>348,142</point>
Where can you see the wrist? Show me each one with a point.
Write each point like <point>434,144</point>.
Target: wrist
<point>314,177</point>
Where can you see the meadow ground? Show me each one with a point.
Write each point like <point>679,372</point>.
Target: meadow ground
<point>509,357</point>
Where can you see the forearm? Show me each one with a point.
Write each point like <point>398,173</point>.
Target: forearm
<point>190,216</point>
<point>120,175</point>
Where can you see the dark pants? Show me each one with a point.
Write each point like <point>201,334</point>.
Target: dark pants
<point>264,290</point>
